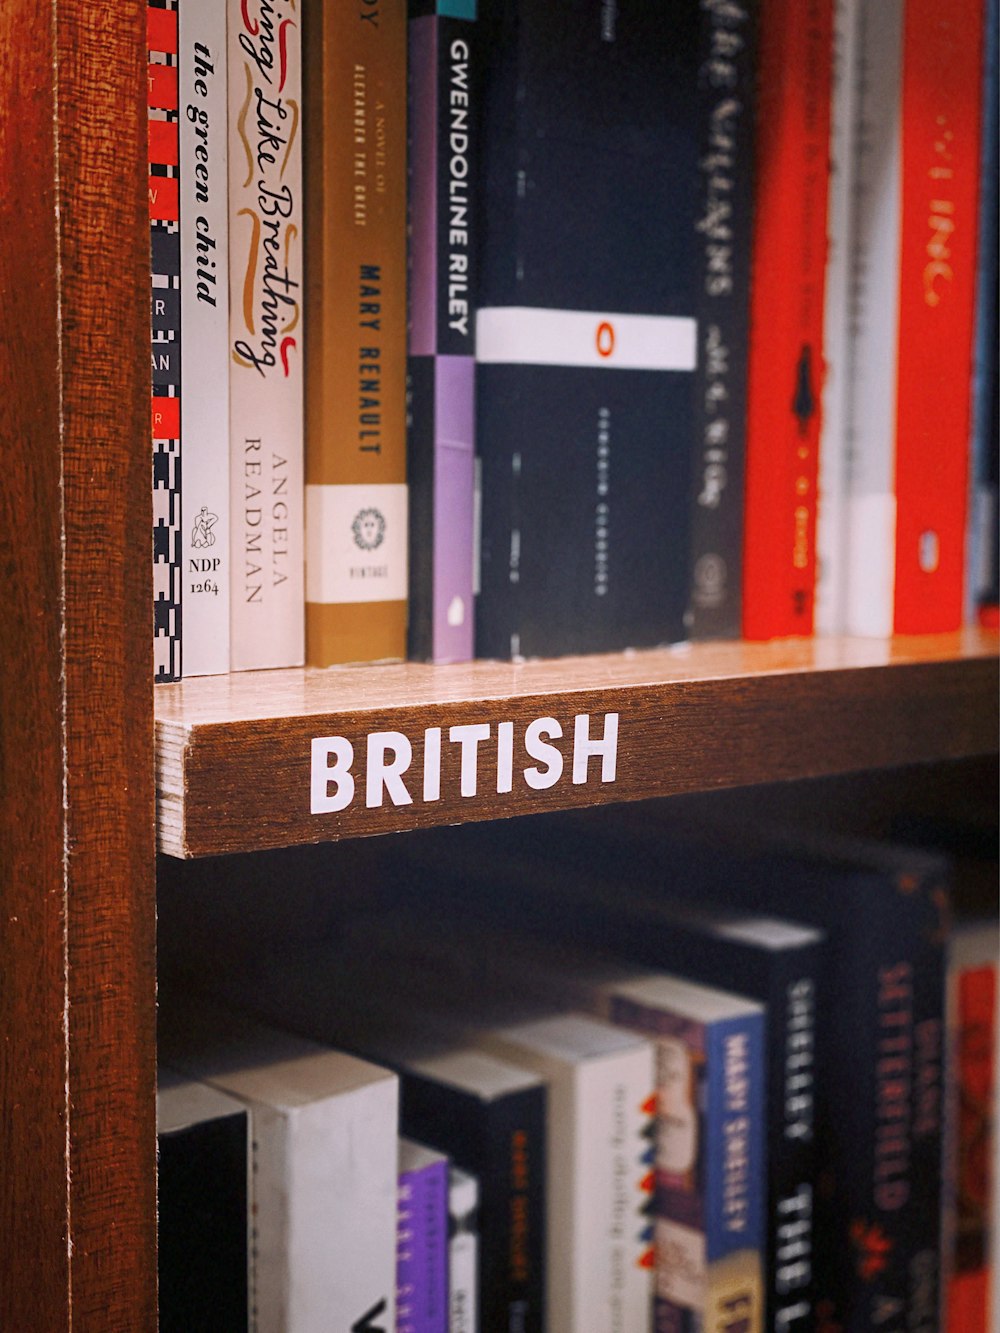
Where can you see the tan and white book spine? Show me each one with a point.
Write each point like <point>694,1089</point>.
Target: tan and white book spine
<point>356,493</point>
<point>266,333</point>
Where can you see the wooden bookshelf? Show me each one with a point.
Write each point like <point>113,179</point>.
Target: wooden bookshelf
<point>77,848</point>
<point>234,754</point>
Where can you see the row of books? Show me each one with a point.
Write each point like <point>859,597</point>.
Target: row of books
<point>712,1090</point>
<point>287,1200</point>
<point>514,329</point>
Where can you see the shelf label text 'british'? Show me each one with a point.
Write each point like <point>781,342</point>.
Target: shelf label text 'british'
<point>389,769</point>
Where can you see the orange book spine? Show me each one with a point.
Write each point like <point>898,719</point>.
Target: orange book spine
<point>786,316</point>
<point>355,295</point>
<point>941,113</point>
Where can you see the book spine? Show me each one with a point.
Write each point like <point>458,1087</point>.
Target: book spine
<point>982,582</point>
<point>786,317</point>
<point>874,318</point>
<point>266,332</point>
<point>709,1167</point>
<point>164,214</point>
<point>356,497</point>
<point>735,1178</point>
<point>324,1182</point>
<point>502,1143</point>
<point>975,1060</point>
<point>791,1141</point>
<point>463,1252</point>
<point>421,1253</point>
<point>202,1225</point>
<point>608,1189</point>
<point>441,365</point>
<point>879,1053</point>
<point>831,520</point>
<point>204,274</point>
<point>723,229</point>
<point>940,119</point>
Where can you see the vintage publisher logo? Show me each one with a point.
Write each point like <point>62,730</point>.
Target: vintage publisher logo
<point>201,533</point>
<point>368,528</point>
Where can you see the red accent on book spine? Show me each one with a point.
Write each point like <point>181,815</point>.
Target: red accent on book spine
<point>163,146</point>
<point>161,87</point>
<point>161,30</point>
<point>164,205</point>
<point>166,418</point>
<point>786,316</point>
<point>942,93</point>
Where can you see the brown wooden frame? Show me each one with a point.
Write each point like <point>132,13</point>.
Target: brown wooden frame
<point>77,975</point>
<point>77,946</point>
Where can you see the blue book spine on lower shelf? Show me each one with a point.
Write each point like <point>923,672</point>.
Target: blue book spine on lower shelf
<point>710,1151</point>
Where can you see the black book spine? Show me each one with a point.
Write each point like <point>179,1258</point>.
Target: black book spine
<point>502,1142</point>
<point>202,1250</point>
<point>723,229</point>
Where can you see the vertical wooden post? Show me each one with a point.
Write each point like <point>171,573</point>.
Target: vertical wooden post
<point>77,964</point>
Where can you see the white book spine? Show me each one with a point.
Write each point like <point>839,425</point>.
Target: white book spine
<point>871,505</point>
<point>204,227</point>
<point>599,1270</point>
<point>831,518</point>
<point>266,334</point>
<point>463,1252</point>
<point>611,1221</point>
<point>324,1207</point>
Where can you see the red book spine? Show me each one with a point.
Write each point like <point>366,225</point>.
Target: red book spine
<point>941,114</point>
<point>786,316</point>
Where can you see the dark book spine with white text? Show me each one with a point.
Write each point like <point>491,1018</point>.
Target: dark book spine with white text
<point>723,229</point>
<point>586,333</point>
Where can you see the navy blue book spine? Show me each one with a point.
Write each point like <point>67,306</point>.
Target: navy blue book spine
<point>586,338</point>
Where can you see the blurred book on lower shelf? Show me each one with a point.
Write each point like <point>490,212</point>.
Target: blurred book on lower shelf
<point>323,1166</point>
<point>203,1167</point>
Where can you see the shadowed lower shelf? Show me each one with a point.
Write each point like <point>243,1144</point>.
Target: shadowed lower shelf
<point>276,758</point>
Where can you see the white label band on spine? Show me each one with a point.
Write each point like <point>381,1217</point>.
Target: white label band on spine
<point>356,543</point>
<point>524,335</point>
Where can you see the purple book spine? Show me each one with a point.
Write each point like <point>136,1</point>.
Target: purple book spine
<point>441,337</point>
<point>422,1248</point>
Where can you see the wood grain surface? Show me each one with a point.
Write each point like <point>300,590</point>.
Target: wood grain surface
<point>77,1003</point>
<point>234,753</point>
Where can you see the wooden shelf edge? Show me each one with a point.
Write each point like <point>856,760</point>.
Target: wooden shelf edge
<point>237,768</point>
